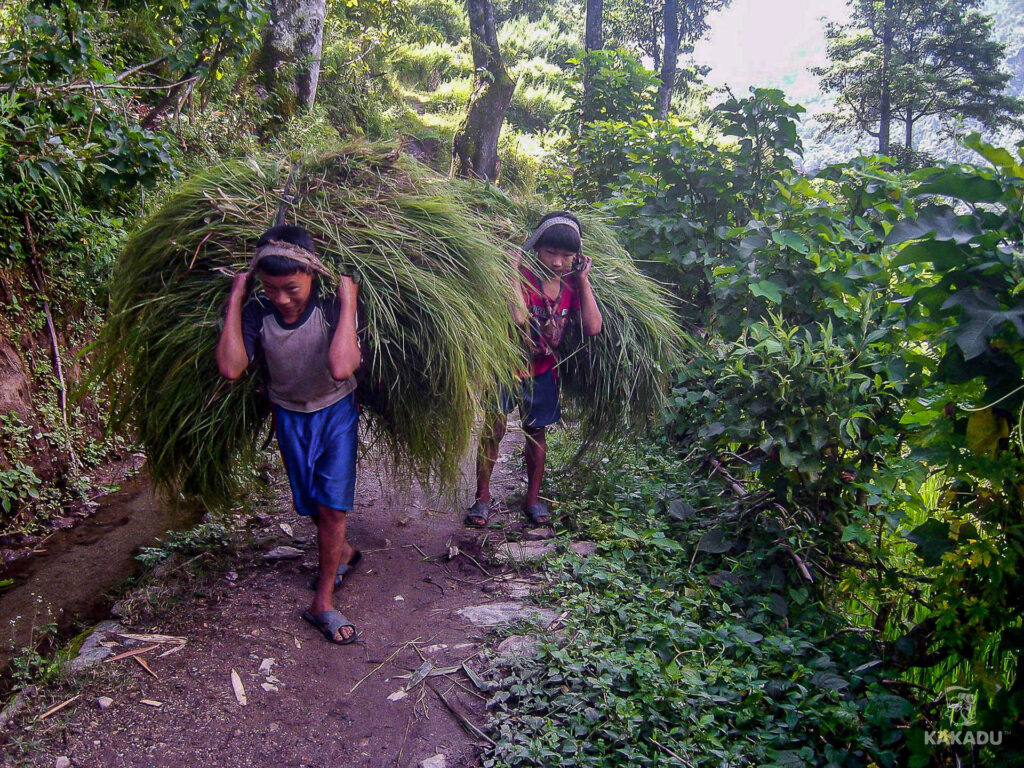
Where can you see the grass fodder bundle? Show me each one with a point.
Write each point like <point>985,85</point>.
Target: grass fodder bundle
<point>615,383</point>
<point>435,329</point>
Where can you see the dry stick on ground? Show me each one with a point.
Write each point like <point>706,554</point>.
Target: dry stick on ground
<point>471,729</point>
<point>737,488</point>
<point>398,650</point>
<point>58,368</point>
<point>681,759</point>
<point>129,654</point>
<point>59,707</point>
<point>145,665</point>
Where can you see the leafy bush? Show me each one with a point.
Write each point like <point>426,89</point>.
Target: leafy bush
<point>679,648</point>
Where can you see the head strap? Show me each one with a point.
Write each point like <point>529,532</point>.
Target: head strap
<point>546,225</point>
<point>290,251</point>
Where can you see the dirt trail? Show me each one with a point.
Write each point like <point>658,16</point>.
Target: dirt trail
<point>314,718</point>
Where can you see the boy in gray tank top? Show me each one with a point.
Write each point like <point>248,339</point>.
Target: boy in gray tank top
<point>306,345</point>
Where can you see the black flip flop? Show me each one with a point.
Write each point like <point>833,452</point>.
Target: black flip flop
<point>478,515</point>
<point>343,570</point>
<point>329,622</point>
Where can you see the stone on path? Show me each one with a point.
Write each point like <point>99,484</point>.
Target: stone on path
<point>583,548</point>
<point>493,614</point>
<point>437,761</point>
<point>62,762</point>
<point>523,552</point>
<point>517,646</point>
<point>539,534</point>
<point>520,588</point>
<point>104,702</point>
<point>283,553</point>
<point>91,651</point>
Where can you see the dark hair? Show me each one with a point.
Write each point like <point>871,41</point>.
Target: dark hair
<point>280,266</point>
<point>560,236</point>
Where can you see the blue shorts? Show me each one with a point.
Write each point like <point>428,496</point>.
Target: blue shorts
<point>539,406</point>
<point>319,452</point>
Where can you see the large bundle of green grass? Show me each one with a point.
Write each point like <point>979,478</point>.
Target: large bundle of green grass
<point>435,330</point>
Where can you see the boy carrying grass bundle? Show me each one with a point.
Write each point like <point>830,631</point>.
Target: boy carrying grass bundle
<point>306,345</point>
<point>555,288</point>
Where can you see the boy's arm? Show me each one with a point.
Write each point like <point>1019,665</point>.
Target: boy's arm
<point>232,359</point>
<point>590,315</point>
<point>344,356</point>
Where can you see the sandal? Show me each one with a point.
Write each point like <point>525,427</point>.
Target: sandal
<point>538,514</point>
<point>478,515</point>
<point>329,622</point>
<point>343,570</point>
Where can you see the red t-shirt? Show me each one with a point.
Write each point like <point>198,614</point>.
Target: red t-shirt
<point>548,319</point>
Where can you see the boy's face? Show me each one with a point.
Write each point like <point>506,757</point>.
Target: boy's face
<point>289,293</point>
<point>557,261</point>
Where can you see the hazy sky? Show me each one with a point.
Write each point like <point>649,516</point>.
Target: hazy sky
<point>768,42</point>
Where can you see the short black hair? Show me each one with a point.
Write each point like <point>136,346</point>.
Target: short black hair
<point>280,266</point>
<point>560,236</point>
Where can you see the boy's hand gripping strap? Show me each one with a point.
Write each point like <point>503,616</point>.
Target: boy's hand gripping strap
<point>545,226</point>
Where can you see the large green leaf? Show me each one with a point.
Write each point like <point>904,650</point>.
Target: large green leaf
<point>981,316</point>
<point>970,188</point>
<point>932,540</point>
<point>939,221</point>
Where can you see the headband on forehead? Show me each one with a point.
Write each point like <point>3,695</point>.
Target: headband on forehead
<point>546,225</point>
<point>290,251</point>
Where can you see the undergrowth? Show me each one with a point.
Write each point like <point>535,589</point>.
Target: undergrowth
<point>686,648</point>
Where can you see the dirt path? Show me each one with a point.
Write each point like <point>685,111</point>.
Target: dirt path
<point>317,704</point>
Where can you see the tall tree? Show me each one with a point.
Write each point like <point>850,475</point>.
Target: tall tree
<point>662,30</point>
<point>288,63</point>
<point>899,61</point>
<point>475,146</point>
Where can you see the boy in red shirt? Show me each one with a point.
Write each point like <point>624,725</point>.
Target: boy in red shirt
<point>555,287</point>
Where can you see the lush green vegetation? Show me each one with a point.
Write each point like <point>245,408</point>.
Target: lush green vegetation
<point>829,535</point>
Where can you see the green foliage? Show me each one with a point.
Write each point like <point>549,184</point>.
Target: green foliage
<point>871,338</point>
<point>209,537</point>
<point>674,191</point>
<point>672,653</point>
<point>621,89</point>
<point>18,485</point>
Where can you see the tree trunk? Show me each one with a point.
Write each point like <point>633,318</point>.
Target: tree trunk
<point>909,135</point>
<point>885,102</point>
<point>594,38</point>
<point>475,146</point>
<point>289,59</point>
<point>669,59</point>
<point>593,41</point>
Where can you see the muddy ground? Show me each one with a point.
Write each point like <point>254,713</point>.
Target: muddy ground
<point>313,704</point>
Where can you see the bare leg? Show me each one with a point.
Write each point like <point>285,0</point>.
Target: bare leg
<point>487,454</point>
<point>536,452</point>
<point>333,549</point>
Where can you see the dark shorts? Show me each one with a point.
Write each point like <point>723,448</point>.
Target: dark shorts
<point>319,452</point>
<point>539,406</point>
